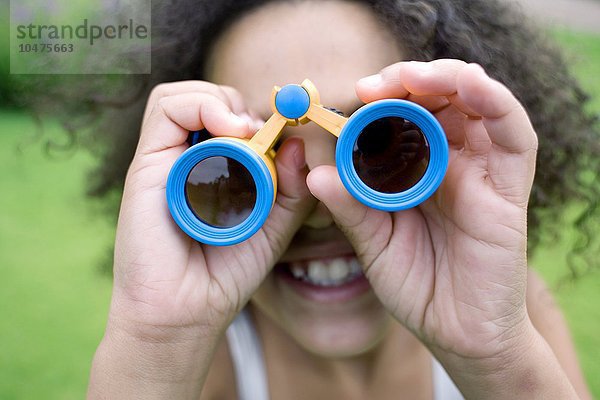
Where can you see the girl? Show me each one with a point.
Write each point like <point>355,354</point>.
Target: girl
<point>443,306</point>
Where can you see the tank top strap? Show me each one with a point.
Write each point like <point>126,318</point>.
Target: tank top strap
<point>443,386</point>
<point>251,374</point>
<point>247,357</point>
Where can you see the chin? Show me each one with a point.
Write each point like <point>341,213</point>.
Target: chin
<point>342,337</point>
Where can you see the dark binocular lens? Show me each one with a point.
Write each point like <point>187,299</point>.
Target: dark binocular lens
<point>391,155</point>
<point>221,192</point>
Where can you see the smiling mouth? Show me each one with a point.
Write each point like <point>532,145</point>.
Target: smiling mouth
<point>324,272</point>
<point>321,266</point>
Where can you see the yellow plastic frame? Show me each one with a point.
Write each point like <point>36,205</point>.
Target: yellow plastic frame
<point>263,141</point>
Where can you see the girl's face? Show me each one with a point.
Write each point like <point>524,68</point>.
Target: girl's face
<point>333,43</point>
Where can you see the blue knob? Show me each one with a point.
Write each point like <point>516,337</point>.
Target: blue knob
<point>292,101</point>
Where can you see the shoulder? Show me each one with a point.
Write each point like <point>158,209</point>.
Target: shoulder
<point>220,381</point>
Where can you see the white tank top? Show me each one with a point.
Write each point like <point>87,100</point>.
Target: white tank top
<point>251,375</point>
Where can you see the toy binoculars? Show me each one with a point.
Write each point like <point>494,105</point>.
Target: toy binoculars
<point>390,154</point>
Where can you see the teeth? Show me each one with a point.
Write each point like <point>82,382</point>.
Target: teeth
<point>317,271</point>
<point>338,269</point>
<point>355,267</point>
<point>331,273</point>
<point>297,271</point>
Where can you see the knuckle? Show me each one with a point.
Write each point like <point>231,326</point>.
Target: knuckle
<point>223,95</point>
<point>231,91</point>
<point>535,142</point>
<point>206,85</point>
<point>228,89</point>
<point>158,91</point>
<point>210,88</point>
<point>162,104</point>
<point>392,71</point>
<point>450,63</point>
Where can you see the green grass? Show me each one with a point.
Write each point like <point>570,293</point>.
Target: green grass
<point>54,301</point>
<point>581,300</point>
<point>583,51</point>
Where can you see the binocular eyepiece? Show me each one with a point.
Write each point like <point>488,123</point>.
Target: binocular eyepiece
<point>390,154</point>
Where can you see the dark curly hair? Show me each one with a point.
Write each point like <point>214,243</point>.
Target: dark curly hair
<point>491,33</point>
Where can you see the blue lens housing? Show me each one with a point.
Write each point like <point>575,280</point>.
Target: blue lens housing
<point>183,214</point>
<point>438,154</point>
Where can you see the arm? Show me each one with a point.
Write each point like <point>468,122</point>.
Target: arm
<point>550,323</point>
<point>173,297</point>
<point>545,366</point>
<point>454,270</point>
<point>131,366</point>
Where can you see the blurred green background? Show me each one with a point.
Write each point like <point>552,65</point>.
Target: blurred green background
<point>54,299</point>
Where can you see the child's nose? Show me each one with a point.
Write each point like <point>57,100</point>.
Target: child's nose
<point>319,145</point>
<point>320,218</point>
<point>319,149</point>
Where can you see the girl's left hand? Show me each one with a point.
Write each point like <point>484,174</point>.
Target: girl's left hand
<point>454,269</point>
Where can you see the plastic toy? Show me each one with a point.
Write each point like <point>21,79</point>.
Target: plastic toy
<point>391,155</point>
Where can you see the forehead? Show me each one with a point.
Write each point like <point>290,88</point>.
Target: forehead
<point>332,43</point>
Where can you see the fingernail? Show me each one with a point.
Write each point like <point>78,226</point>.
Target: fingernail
<point>373,80</point>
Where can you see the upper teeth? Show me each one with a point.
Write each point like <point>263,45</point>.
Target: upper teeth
<point>327,273</point>
<point>298,271</point>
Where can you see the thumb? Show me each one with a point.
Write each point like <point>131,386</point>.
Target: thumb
<point>294,201</point>
<point>250,261</point>
<point>368,230</point>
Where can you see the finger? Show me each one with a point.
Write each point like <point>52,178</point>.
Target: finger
<point>378,86</point>
<point>367,229</point>
<point>512,153</point>
<point>434,104</point>
<point>174,88</point>
<point>511,158</point>
<point>477,142</point>
<point>229,95</point>
<point>505,119</point>
<point>435,78</point>
<point>392,85</point>
<point>294,201</point>
<point>470,90</point>
<point>453,121</point>
<point>418,82</point>
<point>174,116</point>
<point>238,106</point>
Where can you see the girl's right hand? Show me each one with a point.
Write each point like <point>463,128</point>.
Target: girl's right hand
<point>169,289</point>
